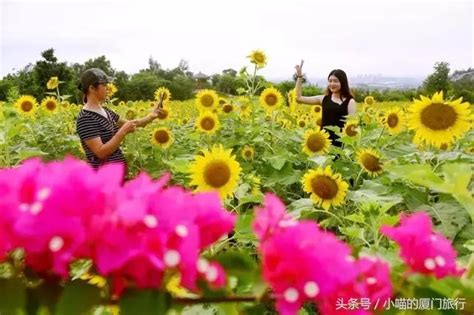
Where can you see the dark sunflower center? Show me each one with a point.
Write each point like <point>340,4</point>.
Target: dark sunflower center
<point>217,174</point>
<point>317,109</point>
<point>271,99</point>
<point>371,163</point>
<point>259,58</point>
<point>207,101</point>
<point>369,101</point>
<point>162,136</point>
<point>248,153</point>
<point>227,108</point>
<point>301,123</point>
<point>208,123</point>
<point>50,105</point>
<point>438,116</point>
<point>351,130</point>
<point>315,142</point>
<point>26,106</point>
<point>392,120</point>
<point>163,114</point>
<point>325,187</point>
<point>319,122</point>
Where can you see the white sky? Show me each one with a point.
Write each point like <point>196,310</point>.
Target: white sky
<point>399,38</point>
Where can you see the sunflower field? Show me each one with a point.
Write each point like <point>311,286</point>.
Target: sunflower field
<point>239,205</point>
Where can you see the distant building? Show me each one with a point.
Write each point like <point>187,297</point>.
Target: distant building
<point>201,79</point>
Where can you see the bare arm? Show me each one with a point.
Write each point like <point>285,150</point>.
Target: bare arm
<point>351,107</point>
<point>142,122</point>
<point>104,150</point>
<point>312,100</point>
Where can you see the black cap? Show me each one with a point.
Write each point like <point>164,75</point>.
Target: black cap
<point>93,76</point>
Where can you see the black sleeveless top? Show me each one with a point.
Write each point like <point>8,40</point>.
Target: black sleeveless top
<point>333,115</point>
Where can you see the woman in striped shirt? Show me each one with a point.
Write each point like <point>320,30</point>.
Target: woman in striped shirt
<point>100,129</point>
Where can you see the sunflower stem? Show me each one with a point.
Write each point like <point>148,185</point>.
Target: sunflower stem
<point>356,182</point>
<point>380,136</point>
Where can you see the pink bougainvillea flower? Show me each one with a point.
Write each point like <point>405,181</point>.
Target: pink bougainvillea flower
<point>422,249</point>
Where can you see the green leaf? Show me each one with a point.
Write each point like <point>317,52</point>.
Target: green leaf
<point>78,298</point>
<point>457,177</point>
<point>388,220</point>
<point>239,264</point>
<point>373,191</point>
<point>240,90</point>
<point>26,153</point>
<point>13,296</point>
<point>353,231</point>
<point>277,161</point>
<point>469,245</point>
<point>243,228</point>
<point>144,302</point>
<point>356,217</point>
<point>300,205</point>
<point>449,220</point>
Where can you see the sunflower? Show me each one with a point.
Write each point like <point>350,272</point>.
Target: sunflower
<point>207,122</point>
<point>271,99</point>
<point>370,161</point>
<point>207,99</point>
<point>318,109</point>
<point>245,111</point>
<point>394,120</point>
<point>111,90</point>
<point>437,121</point>
<point>350,128</point>
<point>130,114</point>
<point>53,83</point>
<point>369,100</point>
<point>215,170</point>
<point>326,188</point>
<point>162,137</point>
<point>316,142</point>
<point>222,101</point>
<point>302,123</point>
<point>258,58</point>
<point>166,94</point>
<point>227,108</point>
<point>49,104</point>
<point>26,105</point>
<point>248,153</point>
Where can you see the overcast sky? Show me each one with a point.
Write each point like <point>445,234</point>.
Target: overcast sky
<point>398,38</point>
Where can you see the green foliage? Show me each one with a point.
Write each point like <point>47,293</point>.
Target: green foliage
<point>438,80</point>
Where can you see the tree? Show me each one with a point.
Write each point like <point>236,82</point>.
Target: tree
<point>49,67</point>
<point>100,62</point>
<point>438,80</point>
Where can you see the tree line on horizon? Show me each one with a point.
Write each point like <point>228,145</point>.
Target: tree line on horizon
<point>182,83</point>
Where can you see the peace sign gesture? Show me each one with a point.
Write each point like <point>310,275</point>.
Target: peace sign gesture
<point>299,69</point>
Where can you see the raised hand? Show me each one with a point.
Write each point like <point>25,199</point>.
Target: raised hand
<point>299,69</point>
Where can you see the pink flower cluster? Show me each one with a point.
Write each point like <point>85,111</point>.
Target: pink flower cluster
<point>62,211</point>
<point>301,262</point>
<point>421,248</point>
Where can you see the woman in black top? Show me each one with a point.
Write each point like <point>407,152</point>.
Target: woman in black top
<point>337,103</point>
<point>100,129</point>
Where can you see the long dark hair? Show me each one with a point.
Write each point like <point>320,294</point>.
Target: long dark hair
<point>342,77</point>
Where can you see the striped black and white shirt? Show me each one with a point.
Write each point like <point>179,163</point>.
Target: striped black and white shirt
<point>90,125</point>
